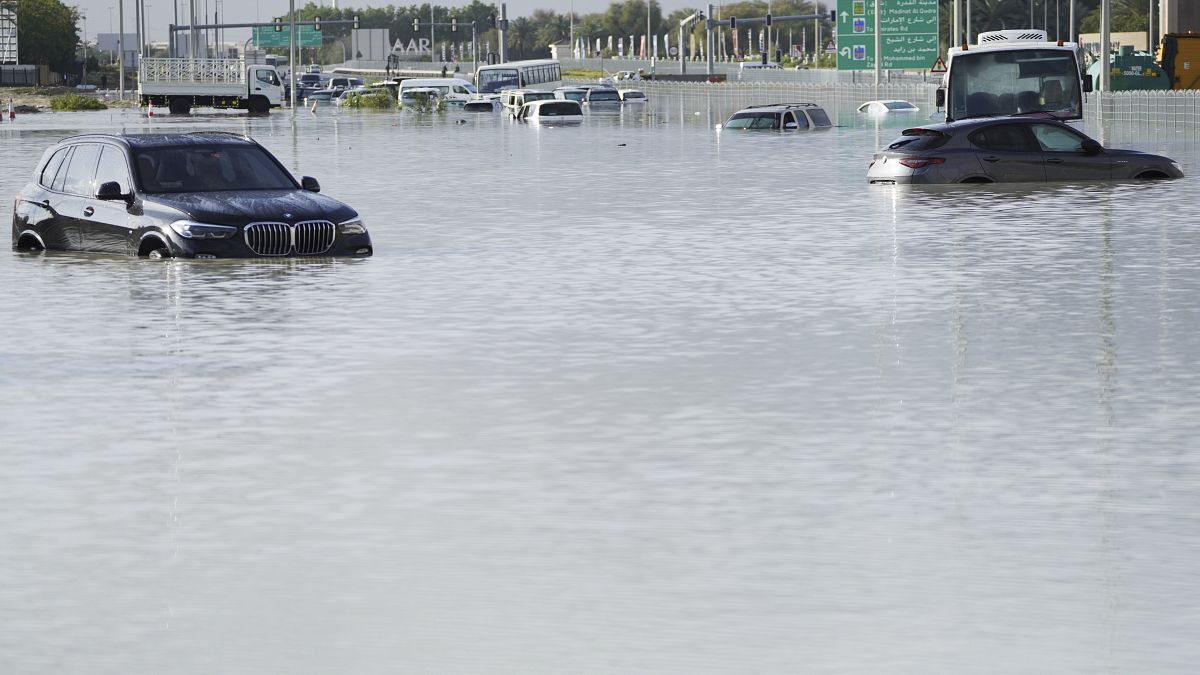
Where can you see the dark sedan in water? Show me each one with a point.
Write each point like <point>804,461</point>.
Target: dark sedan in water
<point>1008,150</point>
<point>197,195</point>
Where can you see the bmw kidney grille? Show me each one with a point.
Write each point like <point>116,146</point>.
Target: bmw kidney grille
<point>308,237</point>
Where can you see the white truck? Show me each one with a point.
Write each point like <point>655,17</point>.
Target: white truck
<point>183,83</point>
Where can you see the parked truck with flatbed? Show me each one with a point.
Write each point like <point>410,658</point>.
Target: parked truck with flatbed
<point>181,84</point>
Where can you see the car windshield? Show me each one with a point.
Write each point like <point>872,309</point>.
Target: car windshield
<point>540,96</point>
<point>753,120</point>
<point>574,95</point>
<point>899,105</point>
<point>598,95</point>
<point>209,169</point>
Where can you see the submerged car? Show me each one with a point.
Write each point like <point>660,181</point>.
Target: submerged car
<point>552,111</point>
<point>602,95</point>
<point>570,93</point>
<point>886,107</point>
<point>780,116</point>
<point>195,195</point>
<point>632,95</point>
<point>1009,150</point>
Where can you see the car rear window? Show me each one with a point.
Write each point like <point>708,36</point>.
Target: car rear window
<point>919,139</point>
<point>209,169</point>
<point>559,109</point>
<point>603,96</point>
<point>819,118</point>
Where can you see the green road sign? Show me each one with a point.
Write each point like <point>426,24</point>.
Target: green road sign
<point>306,36</point>
<point>908,31</point>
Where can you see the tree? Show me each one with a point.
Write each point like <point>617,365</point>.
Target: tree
<point>1127,15</point>
<point>47,33</point>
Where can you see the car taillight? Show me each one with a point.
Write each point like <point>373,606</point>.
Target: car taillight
<point>918,162</point>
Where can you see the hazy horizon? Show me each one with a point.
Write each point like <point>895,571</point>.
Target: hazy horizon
<point>101,15</point>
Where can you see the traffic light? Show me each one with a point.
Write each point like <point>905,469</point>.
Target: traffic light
<point>355,22</point>
<point>733,23</point>
<point>317,24</point>
<point>279,24</point>
<point>768,20</point>
<point>778,56</point>
<point>416,24</point>
<point>454,24</point>
<point>833,15</point>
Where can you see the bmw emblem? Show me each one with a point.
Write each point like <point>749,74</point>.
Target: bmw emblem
<point>288,216</point>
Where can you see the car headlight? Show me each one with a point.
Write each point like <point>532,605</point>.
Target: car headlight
<point>353,226</point>
<point>190,230</point>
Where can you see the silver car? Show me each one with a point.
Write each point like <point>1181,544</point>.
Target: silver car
<point>1008,150</point>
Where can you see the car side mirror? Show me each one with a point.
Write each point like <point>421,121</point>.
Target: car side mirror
<point>110,191</point>
<point>939,98</point>
<point>309,183</point>
<point>1087,83</point>
<point>790,125</point>
<point>1091,146</point>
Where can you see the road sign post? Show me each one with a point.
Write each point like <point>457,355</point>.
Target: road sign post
<point>908,34</point>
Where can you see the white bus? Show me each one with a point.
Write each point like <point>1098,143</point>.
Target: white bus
<point>542,74</point>
<point>1014,72</point>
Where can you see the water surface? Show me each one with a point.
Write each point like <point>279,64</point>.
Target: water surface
<point>629,396</point>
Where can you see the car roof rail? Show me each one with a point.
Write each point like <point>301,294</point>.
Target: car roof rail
<point>244,137</point>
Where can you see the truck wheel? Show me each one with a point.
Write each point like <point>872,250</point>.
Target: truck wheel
<point>259,105</point>
<point>179,106</point>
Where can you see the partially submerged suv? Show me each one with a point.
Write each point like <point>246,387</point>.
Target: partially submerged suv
<point>197,195</point>
<point>780,117</point>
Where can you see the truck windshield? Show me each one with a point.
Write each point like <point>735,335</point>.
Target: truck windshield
<point>1014,81</point>
<point>209,169</point>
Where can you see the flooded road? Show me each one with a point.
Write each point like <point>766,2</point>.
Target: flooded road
<point>635,396</point>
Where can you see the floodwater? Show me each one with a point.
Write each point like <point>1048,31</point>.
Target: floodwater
<point>634,396</point>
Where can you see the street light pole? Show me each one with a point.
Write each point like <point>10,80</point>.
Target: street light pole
<point>121,48</point>
<point>292,55</point>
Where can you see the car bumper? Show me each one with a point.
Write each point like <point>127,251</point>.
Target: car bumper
<point>354,245</point>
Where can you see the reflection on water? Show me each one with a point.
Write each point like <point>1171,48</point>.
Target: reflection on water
<point>629,396</point>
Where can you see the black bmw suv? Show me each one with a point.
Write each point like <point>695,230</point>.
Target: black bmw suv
<point>195,195</point>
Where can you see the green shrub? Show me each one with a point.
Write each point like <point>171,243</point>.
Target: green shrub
<point>73,102</point>
<point>376,100</point>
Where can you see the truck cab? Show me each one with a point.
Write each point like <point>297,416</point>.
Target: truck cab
<point>183,83</point>
<point>1013,72</point>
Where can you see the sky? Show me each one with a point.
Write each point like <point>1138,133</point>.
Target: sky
<point>102,19</point>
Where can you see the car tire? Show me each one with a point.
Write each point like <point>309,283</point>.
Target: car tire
<point>259,105</point>
<point>179,106</point>
<point>160,253</point>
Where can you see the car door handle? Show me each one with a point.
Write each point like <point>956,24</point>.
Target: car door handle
<point>1054,160</point>
<point>88,212</point>
<point>258,89</point>
<point>991,159</point>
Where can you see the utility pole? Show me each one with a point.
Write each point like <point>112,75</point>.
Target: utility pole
<point>503,28</point>
<point>291,55</point>
<point>121,48</point>
<point>878,44</point>
<point>432,44</point>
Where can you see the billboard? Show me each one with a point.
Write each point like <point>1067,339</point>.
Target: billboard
<point>8,32</point>
<point>370,44</point>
